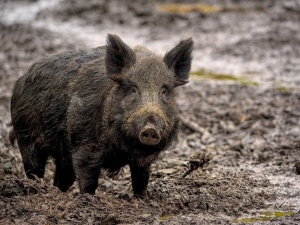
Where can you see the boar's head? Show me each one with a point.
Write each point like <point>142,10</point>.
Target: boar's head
<point>143,108</point>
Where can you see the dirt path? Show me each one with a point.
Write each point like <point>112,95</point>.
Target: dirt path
<point>242,108</point>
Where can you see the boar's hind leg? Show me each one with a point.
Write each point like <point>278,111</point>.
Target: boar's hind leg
<point>64,174</point>
<point>140,177</point>
<point>34,161</point>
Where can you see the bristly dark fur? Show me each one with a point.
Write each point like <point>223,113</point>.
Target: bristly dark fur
<point>87,108</point>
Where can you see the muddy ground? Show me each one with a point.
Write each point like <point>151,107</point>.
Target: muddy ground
<point>242,107</point>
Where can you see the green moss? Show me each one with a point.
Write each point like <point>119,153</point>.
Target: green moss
<point>284,89</point>
<point>165,217</point>
<point>209,75</point>
<point>263,216</point>
<point>251,220</point>
<point>276,214</point>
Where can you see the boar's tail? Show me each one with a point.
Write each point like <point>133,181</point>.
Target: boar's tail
<point>12,137</point>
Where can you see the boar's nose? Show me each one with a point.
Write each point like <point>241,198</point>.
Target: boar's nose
<point>149,135</point>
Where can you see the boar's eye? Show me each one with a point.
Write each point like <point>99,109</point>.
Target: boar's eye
<point>164,92</point>
<point>129,88</point>
<point>132,91</point>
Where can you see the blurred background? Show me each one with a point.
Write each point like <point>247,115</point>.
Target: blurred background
<point>258,39</point>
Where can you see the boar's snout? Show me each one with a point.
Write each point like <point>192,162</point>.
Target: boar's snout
<point>149,135</point>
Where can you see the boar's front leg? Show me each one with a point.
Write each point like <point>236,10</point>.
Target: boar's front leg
<point>87,169</point>
<point>139,178</point>
<point>64,174</point>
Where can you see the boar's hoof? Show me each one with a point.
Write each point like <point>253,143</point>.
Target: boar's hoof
<point>149,136</point>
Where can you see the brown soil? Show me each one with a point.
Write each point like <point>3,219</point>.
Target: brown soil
<point>240,143</point>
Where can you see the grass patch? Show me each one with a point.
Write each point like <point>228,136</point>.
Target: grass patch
<point>284,89</point>
<point>263,216</point>
<point>209,75</point>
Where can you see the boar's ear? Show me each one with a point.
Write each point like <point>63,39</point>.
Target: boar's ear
<point>179,60</point>
<point>118,56</point>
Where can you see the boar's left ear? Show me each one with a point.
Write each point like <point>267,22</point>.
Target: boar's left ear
<point>119,56</point>
<point>179,59</point>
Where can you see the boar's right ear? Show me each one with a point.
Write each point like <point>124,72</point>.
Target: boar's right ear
<point>118,57</point>
<point>179,59</point>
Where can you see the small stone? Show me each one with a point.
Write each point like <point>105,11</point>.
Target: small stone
<point>167,171</point>
<point>145,216</point>
<point>6,165</point>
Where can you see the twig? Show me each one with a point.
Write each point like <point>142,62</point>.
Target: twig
<point>197,161</point>
<point>192,125</point>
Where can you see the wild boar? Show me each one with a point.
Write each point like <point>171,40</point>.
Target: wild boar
<point>99,109</point>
